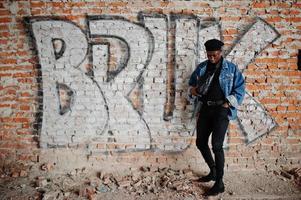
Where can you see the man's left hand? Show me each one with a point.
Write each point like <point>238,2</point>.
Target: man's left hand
<point>226,105</point>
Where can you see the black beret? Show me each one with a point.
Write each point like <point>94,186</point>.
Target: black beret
<point>213,45</point>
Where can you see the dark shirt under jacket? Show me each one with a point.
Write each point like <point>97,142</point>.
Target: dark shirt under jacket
<point>215,92</point>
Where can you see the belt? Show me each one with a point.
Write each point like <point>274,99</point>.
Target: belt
<point>214,103</point>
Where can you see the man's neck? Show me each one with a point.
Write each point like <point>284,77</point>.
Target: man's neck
<point>217,63</point>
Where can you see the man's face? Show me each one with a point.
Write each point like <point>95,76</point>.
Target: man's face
<point>214,56</point>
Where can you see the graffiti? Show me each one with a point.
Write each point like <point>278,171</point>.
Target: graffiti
<point>252,117</point>
<point>134,93</point>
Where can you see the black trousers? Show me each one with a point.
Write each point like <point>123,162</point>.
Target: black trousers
<point>213,119</point>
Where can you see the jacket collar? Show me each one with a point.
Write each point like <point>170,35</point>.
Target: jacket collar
<point>224,63</point>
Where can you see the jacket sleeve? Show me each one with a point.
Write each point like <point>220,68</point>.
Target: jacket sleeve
<point>192,83</point>
<point>193,78</point>
<point>238,91</point>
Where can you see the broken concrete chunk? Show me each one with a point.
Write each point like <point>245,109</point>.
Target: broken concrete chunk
<point>103,188</point>
<point>53,195</point>
<point>124,184</point>
<point>23,173</point>
<point>286,174</point>
<point>47,166</point>
<point>41,181</point>
<point>15,174</point>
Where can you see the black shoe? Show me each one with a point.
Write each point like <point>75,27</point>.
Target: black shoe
<point>210,177</point>
<point>217,188</point>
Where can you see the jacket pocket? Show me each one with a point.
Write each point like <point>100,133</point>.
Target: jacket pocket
<point>227,81</point>
<point>228,76</point>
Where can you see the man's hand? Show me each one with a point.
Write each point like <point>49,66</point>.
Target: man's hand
<point>193,91</point>
<point>226,105</point>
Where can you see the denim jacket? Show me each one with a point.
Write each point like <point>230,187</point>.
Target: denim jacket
<point>231,81</point>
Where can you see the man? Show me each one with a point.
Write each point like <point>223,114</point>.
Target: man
<point>219,105</point>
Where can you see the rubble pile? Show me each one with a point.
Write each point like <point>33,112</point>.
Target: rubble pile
<point>292,174</point>
<point>140,182</point>
<point>295,174</point>
<point>15,171</point>
<point>154,181</point>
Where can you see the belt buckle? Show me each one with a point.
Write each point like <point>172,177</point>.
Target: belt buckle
<point>210,103</point>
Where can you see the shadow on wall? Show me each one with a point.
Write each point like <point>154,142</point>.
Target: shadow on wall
<point>133,91</point>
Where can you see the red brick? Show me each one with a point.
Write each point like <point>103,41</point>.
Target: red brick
<point>6,135</point>
<point>296,5</point>
<point>228,38</point>
<point>26,125</point>
<point>260,5</point>
<point>5,20</point>
<point>24,107</point>
<point>6,54</point>
<point>272,80</point>
<point>231,18</point>
<point>5,105</point>
<point>274,12</point>
<point>80,4</point>
<point>4,34</point>
<point>270,60</point>
<point>4,13</point>
<point>24,67</point>
<point>25,157</point>
<point>281,108</point>
<point>25,94</point>
<point>58,4</point>
<point>8,61</point>
<point>15,145</point>
<point>117,4</point>
<point>230,31</point>
<point>21,120</point>
<point>22,53</point>
<point>22,12</point>
<point>6,119</point>
<point>5,74</point>
<point>294,12</point>
<point>100,4</point>
<point>35,4</point>
<point>6,68</point>
<point>200,4</point>
<point>3,42</point>
<point>293,19</point>
<point>78,17</point>
<point>25,80</point>
<point>282,5</point>
<point>23,74</point>
<point>37,12</point>
<point>258,87</point>
<point>165,4</point>
<point>233,140</point>
<point>273,19</point>
<point>291,108</point>
<point>24,132</point>
<point>270,101</point>
<point>3,27</point>
<point>11,91</point>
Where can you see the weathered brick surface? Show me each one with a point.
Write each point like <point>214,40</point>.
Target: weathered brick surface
<point>107,80</point>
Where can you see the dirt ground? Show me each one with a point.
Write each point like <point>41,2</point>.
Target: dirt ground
<point>147,184</point>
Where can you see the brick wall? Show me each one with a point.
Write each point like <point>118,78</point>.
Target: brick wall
<point>103,84</point>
